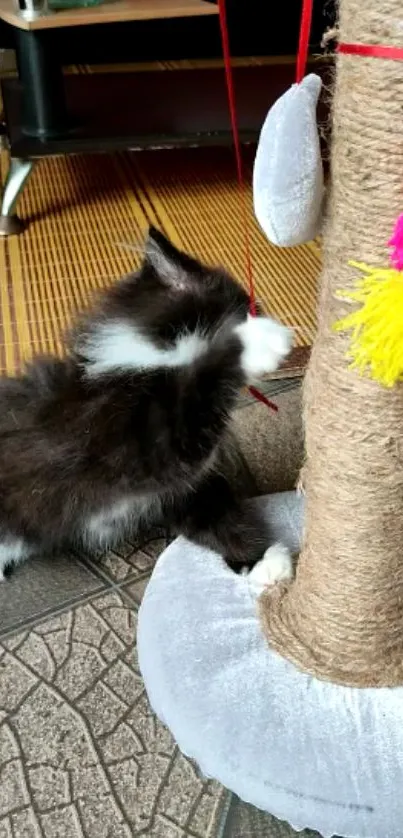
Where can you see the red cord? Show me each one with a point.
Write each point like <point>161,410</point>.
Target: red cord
<point>241,180</point>
<point>237,148</point>
<point>303,45</point>
<point>261,398</point>
<point>371,51</point>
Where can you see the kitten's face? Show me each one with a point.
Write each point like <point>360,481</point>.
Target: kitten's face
<point>165,315</point>
<point>173,295</point>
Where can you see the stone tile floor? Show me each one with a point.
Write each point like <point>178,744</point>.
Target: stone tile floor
<point>81,753</point>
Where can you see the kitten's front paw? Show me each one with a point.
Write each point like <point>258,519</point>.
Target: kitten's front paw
<point>266,343</point>
<point>276,566</point>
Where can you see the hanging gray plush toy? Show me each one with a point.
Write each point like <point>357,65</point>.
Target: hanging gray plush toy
<point>288,181</point>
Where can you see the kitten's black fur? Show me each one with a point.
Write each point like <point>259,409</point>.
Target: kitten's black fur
<point>74,445</point>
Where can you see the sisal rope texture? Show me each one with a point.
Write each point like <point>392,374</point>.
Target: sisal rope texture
<point>341,619</point>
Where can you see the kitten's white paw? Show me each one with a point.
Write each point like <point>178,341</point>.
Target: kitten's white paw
<point>12,551</point>
<point>276,566</point>
<point>266,343</point>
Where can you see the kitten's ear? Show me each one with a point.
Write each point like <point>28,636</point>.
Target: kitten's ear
<point>171,266</point>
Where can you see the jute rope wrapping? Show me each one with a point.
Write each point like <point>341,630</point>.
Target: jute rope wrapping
<point>342,618</point>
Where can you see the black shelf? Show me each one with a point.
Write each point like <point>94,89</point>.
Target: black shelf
<point>158,109</point>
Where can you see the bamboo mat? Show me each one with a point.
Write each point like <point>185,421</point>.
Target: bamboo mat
<point>85,213</point>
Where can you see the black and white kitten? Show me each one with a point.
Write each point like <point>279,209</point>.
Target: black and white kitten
<point>128,429</point>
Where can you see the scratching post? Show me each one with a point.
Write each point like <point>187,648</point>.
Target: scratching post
<point>342,617</point>
<point>208,642</point>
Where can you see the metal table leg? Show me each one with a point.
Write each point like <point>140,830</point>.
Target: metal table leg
<point>40,72</point>
<point>17,177</point>
<point>43,112</point>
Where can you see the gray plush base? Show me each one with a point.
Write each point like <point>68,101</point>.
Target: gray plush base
<point>312,753</point>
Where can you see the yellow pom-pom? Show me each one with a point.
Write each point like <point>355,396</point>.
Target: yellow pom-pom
<point>376,347</point>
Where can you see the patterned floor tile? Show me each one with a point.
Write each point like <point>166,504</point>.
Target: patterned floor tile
<point>41,585</point>
<point>136,589</point>
<point>81,753</point>
<point>131,559</point>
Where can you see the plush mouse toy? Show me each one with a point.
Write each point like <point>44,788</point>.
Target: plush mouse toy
<point>288,182</point>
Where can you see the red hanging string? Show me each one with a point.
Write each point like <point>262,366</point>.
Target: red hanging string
<point>303,45</point>
<point>241,180</point>
<point>305,28</point>
<point>237,148</point>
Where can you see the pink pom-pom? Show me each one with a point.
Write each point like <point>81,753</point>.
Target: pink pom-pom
<point>396,243</point>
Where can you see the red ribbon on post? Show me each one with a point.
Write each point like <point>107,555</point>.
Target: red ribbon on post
<point>371,51</point>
